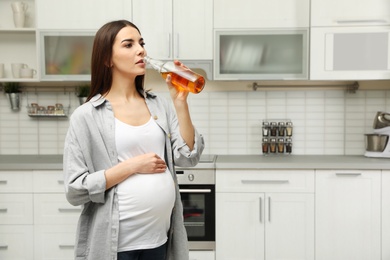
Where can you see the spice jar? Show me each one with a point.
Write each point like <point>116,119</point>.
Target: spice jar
<point>288,145</point>
<point>281,129</point>
<point>33,109</point>
<point>272,146</point>
<point>265,146</point>
<point>289,128</point>
<point>59,109</point>
<point>41,110</point>
<point>274,129</point>
<point>280,145</point>
<point>265,128</point>
<point>50,110</point>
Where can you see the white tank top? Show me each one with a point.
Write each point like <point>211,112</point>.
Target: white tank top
<point>145,200</point>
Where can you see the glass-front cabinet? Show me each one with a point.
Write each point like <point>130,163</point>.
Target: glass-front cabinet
<point>261,55</point>
<point>66,55</point>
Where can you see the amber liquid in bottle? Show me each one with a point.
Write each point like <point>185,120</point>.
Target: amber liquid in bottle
<point>181,83</point>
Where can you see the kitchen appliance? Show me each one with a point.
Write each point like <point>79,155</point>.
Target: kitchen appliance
<point>377,143</point>
<point>197,190</point>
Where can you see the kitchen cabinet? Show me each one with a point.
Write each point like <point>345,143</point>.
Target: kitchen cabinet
<point>55,220</point>
<point>385,214</point>
<point>257,14</point>
<point>348,214</point>
<point>350,12</point>
<point>264,214</point>
<point>261,54</point>
<point>350,53</point>
<point>176,29</point>
<point>17,45</point>
<point>79,15</point>
<point>16,215</point>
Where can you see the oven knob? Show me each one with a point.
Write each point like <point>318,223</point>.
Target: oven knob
<point>191,177</point>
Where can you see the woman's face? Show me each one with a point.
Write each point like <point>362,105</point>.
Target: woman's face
<point>128,52</point>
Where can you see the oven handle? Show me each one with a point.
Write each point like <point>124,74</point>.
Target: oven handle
<point>195,190</point>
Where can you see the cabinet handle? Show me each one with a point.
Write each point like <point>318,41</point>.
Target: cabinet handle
<point>348,174</point>
<point>60,182</point>
<point>195,190</point>
<point>3,181</point>
<point>65,246</point>
<point>361,21</point>
<point>3,246</point>
<point>169,45</point>
<point>3,210</point>
<point>69,209</point>
<point>269,209</point>
<point>177,45</point>
<point>261,209</point>
<point>264,181</point>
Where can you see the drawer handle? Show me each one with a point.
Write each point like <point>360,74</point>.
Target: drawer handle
<point>69,209</point>
<point>3,210</point>
<point>3,181</point>
<point>66,246</point>
<point>361,21</point>
<point>348,174</point>
<point>261,209</point>
<point>264,181</point>
<point>3,246</point>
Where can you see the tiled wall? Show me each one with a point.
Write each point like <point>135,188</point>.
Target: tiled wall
<point>325,121</point>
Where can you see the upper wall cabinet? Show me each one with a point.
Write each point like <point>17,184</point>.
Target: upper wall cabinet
<point>350,12</point>
<point>256,14</point>
<point>176,29</point>
<point>76,14</point>
<point>350,53</point>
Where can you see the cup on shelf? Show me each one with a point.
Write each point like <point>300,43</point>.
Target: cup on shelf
<point>27,72</point>
<point>19,7</point>
<point>2,73</point>
<point>16,69</point>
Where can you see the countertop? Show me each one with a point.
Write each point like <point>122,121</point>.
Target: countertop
<point>54,162</point>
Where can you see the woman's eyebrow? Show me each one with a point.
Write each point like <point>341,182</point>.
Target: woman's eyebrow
<point>131,40</point>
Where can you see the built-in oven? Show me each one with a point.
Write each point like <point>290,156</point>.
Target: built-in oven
<point>197,190</point>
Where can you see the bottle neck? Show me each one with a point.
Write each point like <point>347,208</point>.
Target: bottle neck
<point>155,64</point>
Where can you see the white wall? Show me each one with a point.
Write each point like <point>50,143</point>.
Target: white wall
<point>325,121</point>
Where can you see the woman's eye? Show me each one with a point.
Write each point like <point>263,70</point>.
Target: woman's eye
<point>142,44</point>
<point>129,45</point>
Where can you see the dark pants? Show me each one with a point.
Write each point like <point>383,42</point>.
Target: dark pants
<point>158,253</point>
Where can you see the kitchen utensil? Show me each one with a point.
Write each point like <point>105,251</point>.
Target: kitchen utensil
<point>382,119</point>
<point>376,142</point>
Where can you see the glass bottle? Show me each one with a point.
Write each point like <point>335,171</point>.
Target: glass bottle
<point>265,145</point>
<point>280,145</point>
<point>273,145</point>
<point>183,79</point>
<point>289,128</point>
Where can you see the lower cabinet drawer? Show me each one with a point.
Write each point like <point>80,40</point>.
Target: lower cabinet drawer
<point>16,242</point>
<point>54,242</point>
<point>202,255</point>
<point>265,181</point>
<point>16,209</point>
<point>54,209</point>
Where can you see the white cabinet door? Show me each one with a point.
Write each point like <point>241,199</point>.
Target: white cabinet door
<point>240,226</point>
<point>54,242</point>
<point>257,14</point>
<point>350,53</point>
<point>349,12</point>
<point>348,215</point>
<point>289,228</point>
<point>175,29</point>
<point>75,14</point>
<point>16,242</point>
<point>385,215</point>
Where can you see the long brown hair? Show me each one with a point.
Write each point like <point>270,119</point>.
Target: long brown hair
<point>101,73</point>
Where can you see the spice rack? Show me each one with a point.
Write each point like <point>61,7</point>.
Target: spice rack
<point>57,110</point>
<point>277,137</point>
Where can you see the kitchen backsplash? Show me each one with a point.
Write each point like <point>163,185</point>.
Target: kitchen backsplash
<point>325,121</point>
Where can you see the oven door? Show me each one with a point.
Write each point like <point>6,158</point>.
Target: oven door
<point>199,212</point>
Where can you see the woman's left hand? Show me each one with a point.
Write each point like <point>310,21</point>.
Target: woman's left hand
<point>176,95</point>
